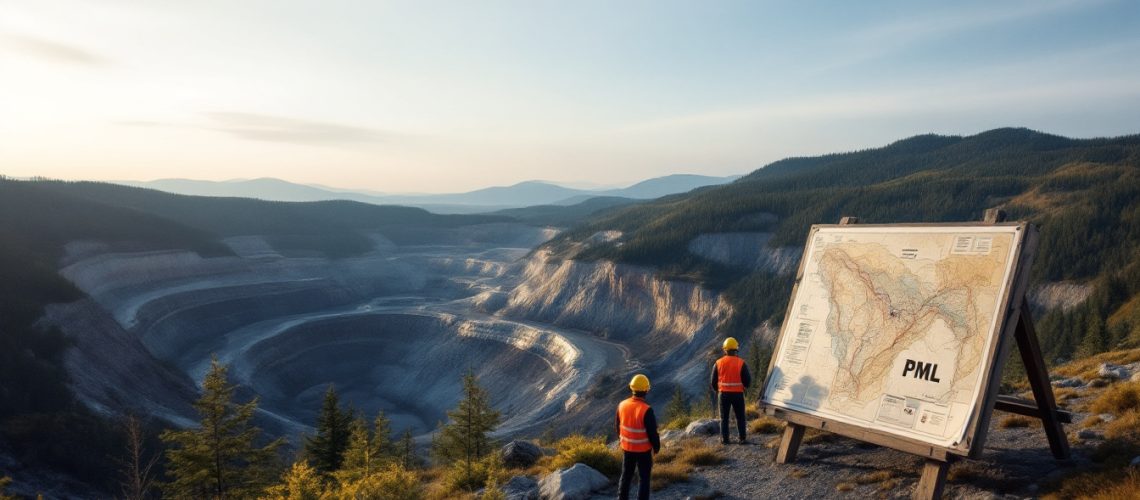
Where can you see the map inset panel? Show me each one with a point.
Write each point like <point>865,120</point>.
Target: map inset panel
<point>891,327</point>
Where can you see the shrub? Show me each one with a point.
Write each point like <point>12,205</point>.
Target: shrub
<point>1014,421</point>
<point>765,425</point>
<point>590,451</point>
<point>1118,399</point>
<point>393,483</point>
<point>699,455</point>
<point>668,473</point>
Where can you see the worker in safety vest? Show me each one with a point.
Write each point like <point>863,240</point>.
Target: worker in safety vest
<point>637,432</point>
<point>729,379</point>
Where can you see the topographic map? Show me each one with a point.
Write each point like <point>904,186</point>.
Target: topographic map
<point>891,326</point>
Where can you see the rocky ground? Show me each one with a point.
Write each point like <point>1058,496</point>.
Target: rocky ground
<point>1016,463</point>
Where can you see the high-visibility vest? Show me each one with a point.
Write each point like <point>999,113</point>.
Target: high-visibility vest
<point>631,425</point>
<point>728,369</point>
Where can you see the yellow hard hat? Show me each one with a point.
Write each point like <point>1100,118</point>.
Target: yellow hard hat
<point>730,344</point>
<point>640,383</point>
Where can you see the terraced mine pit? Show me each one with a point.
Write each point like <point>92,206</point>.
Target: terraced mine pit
<point>394,329</point>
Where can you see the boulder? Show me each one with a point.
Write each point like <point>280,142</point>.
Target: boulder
<point>671,435</point>
<point>520,454</point>
<point>1089,434</point>
<point>703,427</point>
<point>575,483</point>
<point>521,488</point>
<point>1109,370</point>
<point>1069,382</point>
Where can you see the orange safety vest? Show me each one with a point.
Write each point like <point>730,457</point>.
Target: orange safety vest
<point>728,369</point>
<point>631,425</point>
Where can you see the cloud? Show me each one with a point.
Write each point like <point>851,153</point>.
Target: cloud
<point>51,50</point>
<point>260,127</point>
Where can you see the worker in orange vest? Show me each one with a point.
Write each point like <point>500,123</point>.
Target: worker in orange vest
<point>730,377</point>
<point>637,431</point>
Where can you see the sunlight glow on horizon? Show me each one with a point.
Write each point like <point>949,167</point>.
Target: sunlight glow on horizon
<point>455,96</point>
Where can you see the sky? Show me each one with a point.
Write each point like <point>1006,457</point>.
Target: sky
<point>438,96</point>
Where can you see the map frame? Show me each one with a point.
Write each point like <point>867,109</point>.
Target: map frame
<point>1000,338</point>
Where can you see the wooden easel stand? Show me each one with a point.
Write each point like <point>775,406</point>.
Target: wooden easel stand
<point>933,479</point>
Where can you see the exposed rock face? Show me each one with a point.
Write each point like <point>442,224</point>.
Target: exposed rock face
<point>747,251</point>
<point>618,301</point>
<point>575,483</point>
<point>1064,295</point>
<point>112,372</point>
<point>392,329</point>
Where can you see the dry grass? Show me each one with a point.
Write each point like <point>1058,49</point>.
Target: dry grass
<point>765,425</point>
<point>964,471</point>
<point>845,486</point>
<point>798,473</point>
<point>1087,368</point>
<point>700,457</point>
<point>1114,484</point>
<point>666,474</point>
<point>1117,399</point>
<point>874,477</point>
<point>1125,427</point>
<point>1092,421</point>
<point>1015,421</point>
<point>889,484</point>
<point>1065,394</point>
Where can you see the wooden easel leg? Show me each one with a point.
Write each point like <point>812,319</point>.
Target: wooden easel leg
<point>932,481</point>
<point>1038,376</point>
<point>790,443</point>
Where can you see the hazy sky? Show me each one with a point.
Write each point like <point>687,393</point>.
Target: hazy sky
<point>451,96</point>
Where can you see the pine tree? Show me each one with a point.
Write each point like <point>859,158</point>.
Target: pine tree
<point>137,470</point>
<point>678,406</point>
<point>757,360</point>
<point>363,457</point>
<point>326,449</point>
<point>464,439</point>
<point>382,433</point>
<point>406,453</point>
<point>218,459</point>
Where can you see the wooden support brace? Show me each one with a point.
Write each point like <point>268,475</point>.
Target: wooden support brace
<point>933,480</point>
<point>790,443</point>
<point>1038,375</point>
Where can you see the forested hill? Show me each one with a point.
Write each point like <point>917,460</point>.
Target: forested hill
<point>1083,193</point>
<point>39,418</point>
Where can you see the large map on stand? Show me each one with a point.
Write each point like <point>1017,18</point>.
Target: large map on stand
<point>891,327</point>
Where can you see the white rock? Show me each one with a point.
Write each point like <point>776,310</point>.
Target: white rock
<point>703,427</point>
<point>1107,417</point>
<point>1068,382</point>
<point>1109,370</point>
<point>575,483</point>
<point>672,435</point>
<point>521,488</point>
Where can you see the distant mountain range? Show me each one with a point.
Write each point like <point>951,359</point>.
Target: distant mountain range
<point>488,199</point>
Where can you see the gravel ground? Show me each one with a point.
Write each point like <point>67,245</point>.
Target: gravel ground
<point>1016,462</point>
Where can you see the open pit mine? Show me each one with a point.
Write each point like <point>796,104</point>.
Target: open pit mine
<point>393,329</point>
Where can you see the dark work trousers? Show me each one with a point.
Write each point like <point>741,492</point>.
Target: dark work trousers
<point>643,461</point>
<point>735,400</point>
